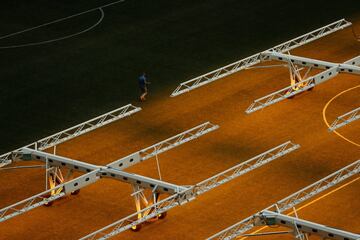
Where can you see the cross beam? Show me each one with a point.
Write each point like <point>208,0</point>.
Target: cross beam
<point>291,201</point>
<point>94,172</point>
<point>345,119</point>
<point>256,58</point>
<point>300,226</point>
<point>75,131</point>
<point>191,193</point>
<point>105,171</point>
<point>304,85</point>
<point>27,154</point>
<point>142,181</point>
<point>309,62</point>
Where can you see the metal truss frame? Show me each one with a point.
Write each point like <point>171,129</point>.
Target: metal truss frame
<point>291,201</point>
<point>245,167</point>
<point>46,197</point>
<point>60,188</point>
<point>132,220</point>
<point>75,131</point>
<point>331,71</point>
<point>256,58</point>
<point>191,193</point>
<point>105,171</point>
<point>302,228</point>
<point>309,62</point>
<point>95,172</point>
<point>163,146</point>
<point>290,91</point>
<point>345,119</point>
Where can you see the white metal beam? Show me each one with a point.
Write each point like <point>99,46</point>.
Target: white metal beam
<point>105,171</point>
<point>270,218</point>
<point>245,167</point>
<point>142,181</point>
<point>112,170</point>
<point>94,173</point>
<point>291,201</point>
<point>309,62</point>
<point>75,131</point>
<point>255,59</point>
<point>48,195</point>
<point>291,91</point>
<point>123,163</point>
<point>87,126</point>
<point>132,220</point>
<point>163,146</point>
<point>191,193</point>
<point>345,119</point>
<point>303,85</point>
<point>27,154</point>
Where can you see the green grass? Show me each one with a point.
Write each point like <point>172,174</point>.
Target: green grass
<point>47,88</point>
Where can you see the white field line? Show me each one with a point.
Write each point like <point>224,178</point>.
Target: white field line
<point>57,21</point>
<point>60,38</point>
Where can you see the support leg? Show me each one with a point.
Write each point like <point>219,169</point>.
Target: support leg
<point>54,177</point>
<point>137,196</point>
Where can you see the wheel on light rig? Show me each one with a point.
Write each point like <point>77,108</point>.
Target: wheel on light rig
<point>136,228</point>
<point>291,97</point>
<point>76,192</point>
<point>310,89</point>
<point>162,215</point>
<point>48,204</point>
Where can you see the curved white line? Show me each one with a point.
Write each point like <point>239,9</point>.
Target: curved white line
<point>59,20</point>
<point>58,39</point>
<point>325,119</point>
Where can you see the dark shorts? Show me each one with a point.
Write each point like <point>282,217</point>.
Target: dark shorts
<point>143,89</point>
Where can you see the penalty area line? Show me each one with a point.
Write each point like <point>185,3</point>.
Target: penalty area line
<point>325,119</point>
<point>59,20</point>
<point>60,38</point>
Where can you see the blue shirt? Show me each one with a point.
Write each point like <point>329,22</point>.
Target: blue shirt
<point>142,81</point>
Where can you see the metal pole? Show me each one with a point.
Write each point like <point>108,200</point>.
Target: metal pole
<point>46,173</point>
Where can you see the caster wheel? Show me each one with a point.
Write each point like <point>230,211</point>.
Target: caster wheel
<point>48,204</point>
<point>162,215</point>
<point>76,192</point>
<point>136,228</point>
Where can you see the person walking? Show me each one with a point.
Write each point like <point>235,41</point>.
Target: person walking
<point>143,86</point>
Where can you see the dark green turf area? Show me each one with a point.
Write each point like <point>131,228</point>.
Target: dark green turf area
<point>44,89</point>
